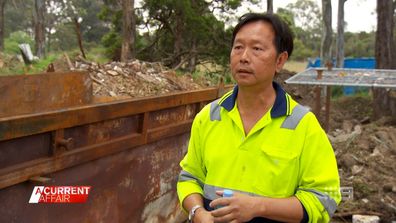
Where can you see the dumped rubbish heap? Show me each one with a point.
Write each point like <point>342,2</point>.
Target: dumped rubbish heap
<point>134,78</point>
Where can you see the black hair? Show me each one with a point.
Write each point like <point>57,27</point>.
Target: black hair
<point>283,40</point>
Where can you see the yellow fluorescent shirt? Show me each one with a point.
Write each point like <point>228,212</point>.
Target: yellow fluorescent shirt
<point>274,160</point>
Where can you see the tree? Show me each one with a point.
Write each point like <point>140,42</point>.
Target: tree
<point>270,6</point>
<point>128,30</point>
<point>15,12</point>
<point>325,52</point>
<point>308,28</point>
<point>39,28</point>
<point>2,6</point>
<point>340,34</point>
<point>360,44</point>
<point>187,33</point>
<point>384,103</point>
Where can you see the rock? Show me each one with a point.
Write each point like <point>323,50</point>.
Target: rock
<point>365,200</point>
<point>112,72</point>
<point>112,94</point>
<point>356,169</point>
<point>387,188</point>
<point>118,69</point>
<point>365,120</point>
<point>347,126</point>
<point>365,219</point>
<point>357,130</point>
<point>342,138</point>
<point>376,152</point>
<point>347,161</point>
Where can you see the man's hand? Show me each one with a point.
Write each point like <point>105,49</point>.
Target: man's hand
<point>203,216</point>
<point>238,208</point>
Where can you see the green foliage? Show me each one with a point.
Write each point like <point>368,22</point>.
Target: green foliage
<point>17,17</point>
<point>11,43</point>
<point>359,44</point>
<point>64,38</point>
<point>97,54</point>
<point>16,67</point>
<point>307,29</point>
<point>301,51</point>
<point>112,41</point>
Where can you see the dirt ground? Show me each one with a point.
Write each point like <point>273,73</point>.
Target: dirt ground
<point>365,149</point>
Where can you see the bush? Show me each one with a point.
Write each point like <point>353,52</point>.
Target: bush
<point>11,43</point>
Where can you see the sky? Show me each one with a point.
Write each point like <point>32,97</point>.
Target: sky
<point>360,15</point>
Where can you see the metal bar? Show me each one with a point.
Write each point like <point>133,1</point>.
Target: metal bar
<point>24,125</point>
<point>346,77</point>
<point>19,173</point>
<point>317,101</point>
<point>327,111</point>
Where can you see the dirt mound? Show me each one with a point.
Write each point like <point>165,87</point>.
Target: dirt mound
<point>366,157</point>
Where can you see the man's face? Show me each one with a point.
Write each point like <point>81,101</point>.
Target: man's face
<point>254,58</point>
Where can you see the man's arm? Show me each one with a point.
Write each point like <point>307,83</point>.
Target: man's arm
<point>243,208</point>
<point>201,215</point>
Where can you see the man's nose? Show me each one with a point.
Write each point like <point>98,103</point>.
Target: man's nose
<point>245,56</point>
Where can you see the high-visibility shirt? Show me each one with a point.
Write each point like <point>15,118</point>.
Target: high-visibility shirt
<point>285,154</point>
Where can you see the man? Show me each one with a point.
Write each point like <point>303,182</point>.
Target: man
<point>258,142</point>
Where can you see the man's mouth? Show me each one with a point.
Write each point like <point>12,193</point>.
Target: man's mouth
<point>244,71</point>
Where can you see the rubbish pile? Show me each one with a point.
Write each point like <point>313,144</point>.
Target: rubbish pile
<point>134,79</point>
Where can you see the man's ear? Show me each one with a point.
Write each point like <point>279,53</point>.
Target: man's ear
<point>281,60</point>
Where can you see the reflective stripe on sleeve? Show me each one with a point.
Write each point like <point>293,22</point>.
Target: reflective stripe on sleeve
<point>328,203</point>
<point>297,114</point>
<point>215,111</point>
<point>210,192</point>
<point>186,176</point>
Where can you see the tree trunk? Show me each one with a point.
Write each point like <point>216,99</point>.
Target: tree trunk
<point>178,37</point>
<point>79,38</point>
<point>384,100</point>
<point>128,30</point>
<point>340,34</point>
<point>193,58</point>
<point>325,52</point>
<point>270,6</point>
<point>39,29</point>
<point>2,6</point>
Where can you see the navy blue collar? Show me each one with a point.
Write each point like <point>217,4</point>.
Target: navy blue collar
<point>280,106</point>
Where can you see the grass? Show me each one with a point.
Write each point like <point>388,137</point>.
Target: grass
<point>296,66</point>
<point>13,66</point>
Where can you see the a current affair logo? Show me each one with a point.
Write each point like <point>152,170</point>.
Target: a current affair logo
<point>59,194</point>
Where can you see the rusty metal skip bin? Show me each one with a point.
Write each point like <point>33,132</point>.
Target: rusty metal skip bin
<point>128,150</point>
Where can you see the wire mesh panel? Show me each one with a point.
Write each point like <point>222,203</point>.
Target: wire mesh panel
<point>346,77</point>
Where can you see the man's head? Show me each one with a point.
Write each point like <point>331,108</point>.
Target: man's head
<point>261,44</point>
<point>283,40</point>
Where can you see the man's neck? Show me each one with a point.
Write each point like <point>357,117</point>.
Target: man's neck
<point>256,99</point>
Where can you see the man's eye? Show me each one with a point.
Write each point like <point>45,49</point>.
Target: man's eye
<point>237,47</point>
<point>257,48</point>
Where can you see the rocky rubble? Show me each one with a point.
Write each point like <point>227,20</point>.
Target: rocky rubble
<point>366,158</point>
<point>365,151</point>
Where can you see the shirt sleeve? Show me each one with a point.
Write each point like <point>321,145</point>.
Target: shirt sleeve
<point>192,175</point>
<point>319,185</point>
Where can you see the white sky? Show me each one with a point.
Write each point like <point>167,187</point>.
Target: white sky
<point>360,15</point>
